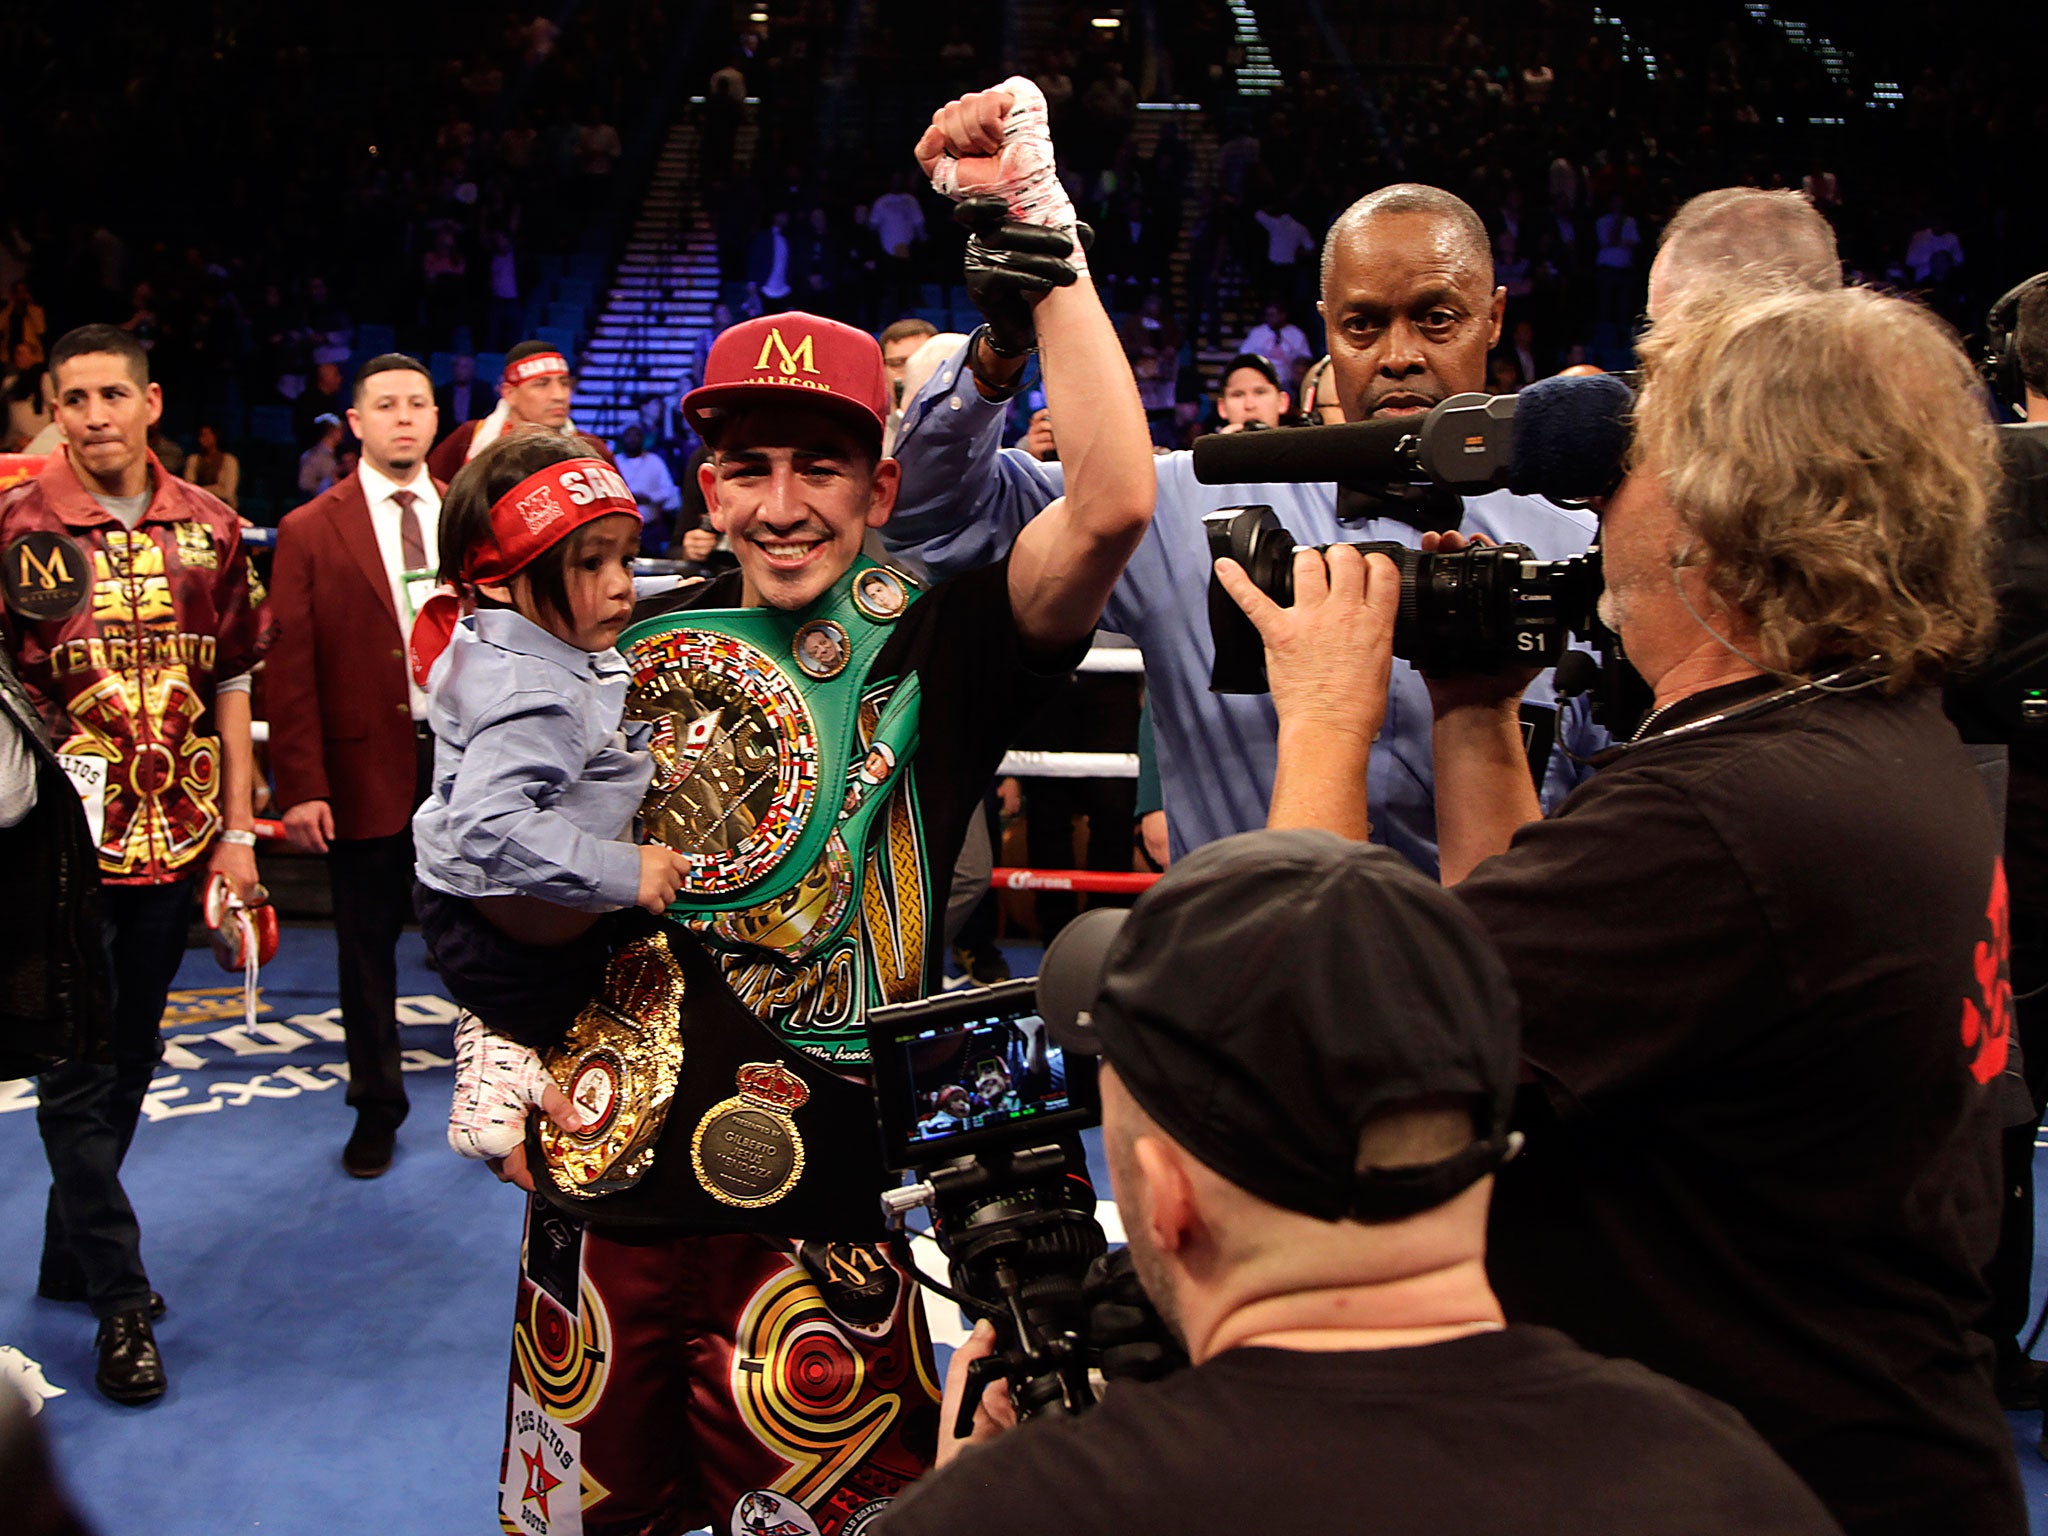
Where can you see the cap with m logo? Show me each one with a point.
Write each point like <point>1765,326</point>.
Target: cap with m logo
<point>792,357</point>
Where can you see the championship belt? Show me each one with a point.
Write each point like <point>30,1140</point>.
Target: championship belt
<point>776,768</point>
<point>618,1064</point>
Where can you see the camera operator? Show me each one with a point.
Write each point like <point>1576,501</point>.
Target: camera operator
<point>1761,953</point>
<point>1303,1137</point>
<point>1412,310</point>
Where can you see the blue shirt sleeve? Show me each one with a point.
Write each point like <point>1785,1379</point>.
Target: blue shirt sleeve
<point>500,813</point>
<point>964,497</point>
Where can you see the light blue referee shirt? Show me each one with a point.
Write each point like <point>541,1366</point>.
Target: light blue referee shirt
<point>965,498</point>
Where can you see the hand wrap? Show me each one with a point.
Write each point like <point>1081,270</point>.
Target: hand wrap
<point>1027,176</point>
<point>497,1081</point>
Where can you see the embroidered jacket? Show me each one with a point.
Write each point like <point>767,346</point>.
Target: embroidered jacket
<point>120,638</point>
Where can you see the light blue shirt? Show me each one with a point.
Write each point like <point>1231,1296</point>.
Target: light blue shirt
<point>965,498</point>
<point>534,781</point>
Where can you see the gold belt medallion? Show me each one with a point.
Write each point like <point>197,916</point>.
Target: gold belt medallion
<point>618,1064</point>
<point>747,1151</point>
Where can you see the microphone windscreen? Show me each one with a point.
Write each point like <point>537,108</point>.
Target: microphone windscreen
<point>1571,437</point>
<point>1352,450</point>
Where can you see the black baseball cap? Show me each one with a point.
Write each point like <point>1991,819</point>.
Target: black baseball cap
<point>1254,360</point>
<point>1273,993</point>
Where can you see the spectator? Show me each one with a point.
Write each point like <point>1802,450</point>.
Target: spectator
<point>700,351</point>
<point>325,397</point>
<point>1615,260</point>
<point>214,469</point>
<point>1289,248</point>
<point>27,393</point>
<point>1152,341</point>
<point>1314,1234</point>
<point>444,279</point>
<point>898,222</point>
<point>653,487</point>
<point>768,265</point>
<point>504,292</point>
<point>1280,339</point>
<point>1934,251</point>
<point>319,464</point>
<point>462,398</point>
<point>1250,394</point>
<point>1523,348</point>
<point>22,323</point>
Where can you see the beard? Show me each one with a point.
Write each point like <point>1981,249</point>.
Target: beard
<point>1155,1277</point>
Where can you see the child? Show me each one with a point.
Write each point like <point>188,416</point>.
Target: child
<point>523,842</point>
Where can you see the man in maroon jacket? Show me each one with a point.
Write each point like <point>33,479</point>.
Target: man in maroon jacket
<point>533,395</point>
<point>349,746</point>
<point>131,618</point>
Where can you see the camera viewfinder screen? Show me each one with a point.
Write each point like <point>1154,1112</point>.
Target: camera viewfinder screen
<point>983,1076</point>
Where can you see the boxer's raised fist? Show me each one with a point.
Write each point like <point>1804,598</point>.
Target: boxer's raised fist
<point>998,143</point>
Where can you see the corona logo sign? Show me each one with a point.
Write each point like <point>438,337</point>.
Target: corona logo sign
<point>791,362</point>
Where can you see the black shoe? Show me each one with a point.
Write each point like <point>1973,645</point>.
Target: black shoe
<point>131,1370</point>
<point>55,1290</point>
<point>369,1148</point>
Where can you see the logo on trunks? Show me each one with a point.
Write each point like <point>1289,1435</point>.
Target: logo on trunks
<point>858,1284</point>
<point>762,1513</point>
<point>46,576</point>
<point>747,1151</point>
<point>1987,1018</point>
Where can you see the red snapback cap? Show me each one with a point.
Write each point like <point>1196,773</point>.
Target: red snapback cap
<point>792,356</point>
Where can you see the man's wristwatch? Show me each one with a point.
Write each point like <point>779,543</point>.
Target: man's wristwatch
<point>234,837</point>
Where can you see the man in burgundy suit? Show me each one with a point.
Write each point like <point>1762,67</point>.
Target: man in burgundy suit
<point>533,394</point>
<point>349,746</point>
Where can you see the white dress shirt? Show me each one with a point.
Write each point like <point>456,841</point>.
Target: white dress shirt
<point>384,521</point>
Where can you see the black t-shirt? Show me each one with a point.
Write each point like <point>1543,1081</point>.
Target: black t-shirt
<point>1518,1433</point>
<point>1762,977</point>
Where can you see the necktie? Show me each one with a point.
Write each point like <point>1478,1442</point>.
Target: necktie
<point>411,543</point>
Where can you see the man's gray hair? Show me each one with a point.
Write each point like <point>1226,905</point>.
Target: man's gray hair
<point>1749,236</point>
<point>1413,197</point>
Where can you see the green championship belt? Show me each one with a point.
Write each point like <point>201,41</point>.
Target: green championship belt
<point>780,774</point>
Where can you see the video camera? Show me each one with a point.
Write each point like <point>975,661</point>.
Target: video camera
<point>1480,609</point>
<point>984,1109</point>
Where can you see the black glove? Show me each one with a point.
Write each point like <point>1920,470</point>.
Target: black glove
<point>1133,1340</point>
<point>1010,267</point>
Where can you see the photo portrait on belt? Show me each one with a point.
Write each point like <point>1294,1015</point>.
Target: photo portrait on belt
<point>878,594</point>
<point>821,648</point>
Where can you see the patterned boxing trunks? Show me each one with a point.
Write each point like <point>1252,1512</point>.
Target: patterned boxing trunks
<point>740,1382</point>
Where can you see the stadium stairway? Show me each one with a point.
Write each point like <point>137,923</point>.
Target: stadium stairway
<point>661,296</point>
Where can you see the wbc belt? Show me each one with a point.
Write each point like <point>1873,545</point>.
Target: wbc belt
<point>780,775</point>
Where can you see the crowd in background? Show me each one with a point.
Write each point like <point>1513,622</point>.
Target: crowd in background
<point>294,199</point>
